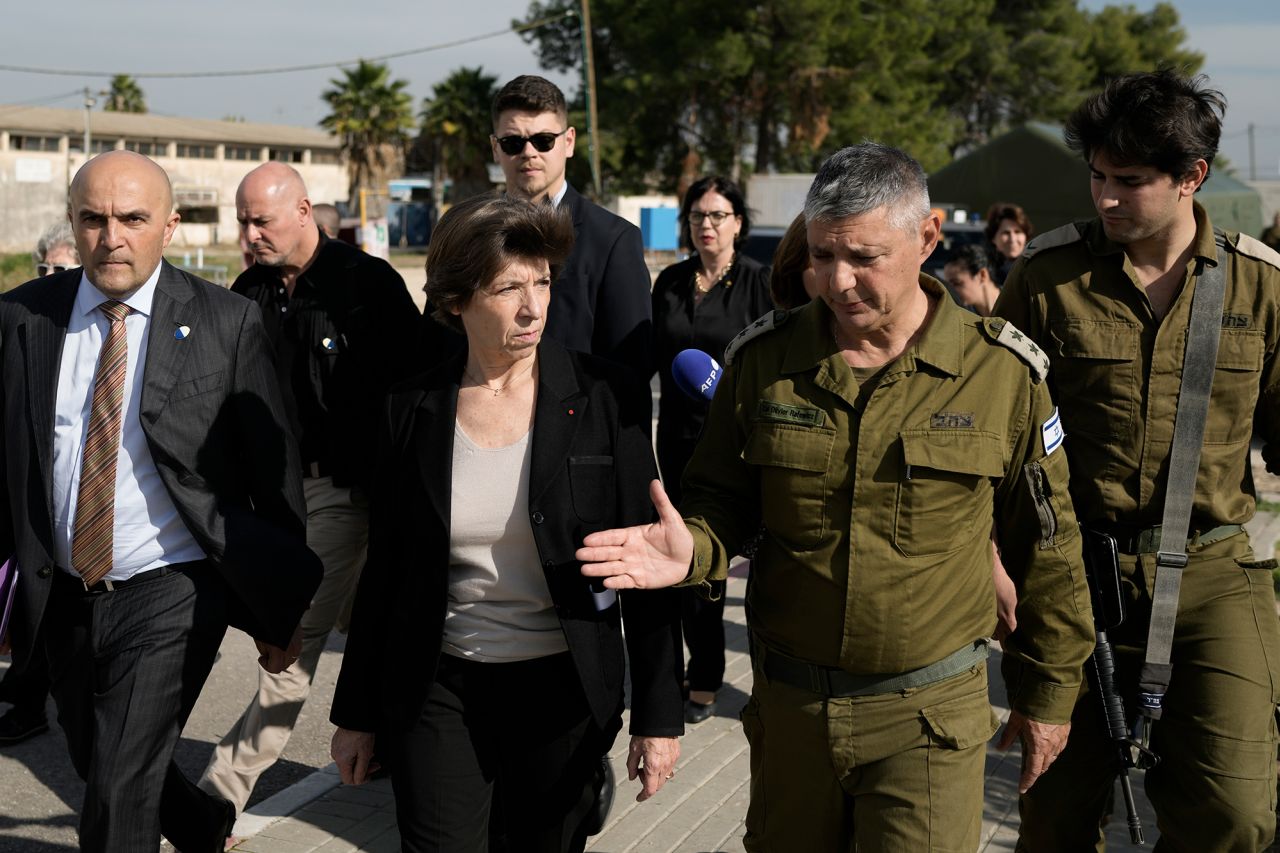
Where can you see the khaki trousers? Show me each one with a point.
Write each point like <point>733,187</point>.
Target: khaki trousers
<point>896,773</point>
<point>1215,787</point>
<point>338,532</point>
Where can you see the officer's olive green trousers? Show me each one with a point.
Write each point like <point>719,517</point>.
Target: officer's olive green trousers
<point>898,773</point>
<point>1215,787</point>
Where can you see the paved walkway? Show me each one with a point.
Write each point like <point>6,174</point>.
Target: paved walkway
<point>701,810</point>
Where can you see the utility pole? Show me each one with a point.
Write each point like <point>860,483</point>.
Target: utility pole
<point>589,73</point>
<point>89,101</point>
<point>1253,166</point>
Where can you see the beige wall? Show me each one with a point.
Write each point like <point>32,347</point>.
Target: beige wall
<point>33,192</point>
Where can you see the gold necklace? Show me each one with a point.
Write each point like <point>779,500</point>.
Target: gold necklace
<point>504,386</point>
<point>699,278</point>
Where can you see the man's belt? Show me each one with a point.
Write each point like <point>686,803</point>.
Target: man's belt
<point>1133,541</point>
<point>827,681</point>
<point>104,585</point>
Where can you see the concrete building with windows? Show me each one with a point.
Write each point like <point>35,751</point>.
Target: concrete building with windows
<point>42,147</point>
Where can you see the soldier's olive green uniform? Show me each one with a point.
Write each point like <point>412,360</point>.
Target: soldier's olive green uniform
<point>1115,375</point>
<point>877,504</point>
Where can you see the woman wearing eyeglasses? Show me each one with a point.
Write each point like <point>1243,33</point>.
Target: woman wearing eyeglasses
<point>701,303</point>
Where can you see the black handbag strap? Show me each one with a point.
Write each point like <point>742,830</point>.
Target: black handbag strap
<point>1198,360</point>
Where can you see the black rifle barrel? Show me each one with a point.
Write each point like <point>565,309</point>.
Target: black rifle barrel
<point>1104,671</point>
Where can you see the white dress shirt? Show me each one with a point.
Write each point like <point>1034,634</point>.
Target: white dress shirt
<point>148,531</point>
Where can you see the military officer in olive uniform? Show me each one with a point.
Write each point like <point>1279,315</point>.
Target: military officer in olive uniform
<point>1109,301</point>
<point>877,433</point>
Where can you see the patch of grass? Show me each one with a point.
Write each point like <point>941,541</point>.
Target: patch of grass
<point>15,269</point>
<point>1269,506</point>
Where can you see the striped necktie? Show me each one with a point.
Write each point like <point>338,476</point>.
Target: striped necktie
<point>93,535</point>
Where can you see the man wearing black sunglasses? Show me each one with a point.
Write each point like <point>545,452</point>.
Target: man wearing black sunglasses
<point>600,303</point>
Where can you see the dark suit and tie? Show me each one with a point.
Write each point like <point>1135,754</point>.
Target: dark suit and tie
<point>152,495</point>
<point>600,303</point>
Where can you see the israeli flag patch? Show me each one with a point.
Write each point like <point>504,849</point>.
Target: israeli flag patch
<point>1052,433</point>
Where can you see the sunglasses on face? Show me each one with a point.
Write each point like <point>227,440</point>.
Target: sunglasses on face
<point>46,269</point>
<point>717,217</point>
<point>543,142</point>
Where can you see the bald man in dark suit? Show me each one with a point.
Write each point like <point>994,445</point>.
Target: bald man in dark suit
<point>152,494</point>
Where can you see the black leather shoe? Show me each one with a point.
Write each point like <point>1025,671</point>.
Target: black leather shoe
<point>15,728</point>
<point>696,712</point>
<point>604,788</point>
<point>207,829</point>
<point>228,822</point>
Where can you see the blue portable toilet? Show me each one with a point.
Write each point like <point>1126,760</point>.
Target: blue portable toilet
<point>659,229</point>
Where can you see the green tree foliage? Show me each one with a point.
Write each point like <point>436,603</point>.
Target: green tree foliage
<point>456,126</point>
<point>1122,39</point>
<point>125,96</point>
<point>373,116</point>
<point>720,85</point>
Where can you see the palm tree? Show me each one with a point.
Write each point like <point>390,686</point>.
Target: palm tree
<point>372,114</point>
<point>456,122</point>
<point>125,96</point>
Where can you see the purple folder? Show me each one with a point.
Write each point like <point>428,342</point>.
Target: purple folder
<point>8,586</point>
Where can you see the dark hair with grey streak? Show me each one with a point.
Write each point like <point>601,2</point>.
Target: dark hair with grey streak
<point>476,240</point>
<point>867,177</point>
<point>57,234</point>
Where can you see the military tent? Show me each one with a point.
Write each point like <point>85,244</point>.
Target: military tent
<point>1032,166</point>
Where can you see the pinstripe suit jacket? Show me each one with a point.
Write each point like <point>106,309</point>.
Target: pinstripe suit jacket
<point>215,425</point>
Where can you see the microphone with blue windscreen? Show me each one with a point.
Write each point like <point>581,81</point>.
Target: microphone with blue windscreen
<point>696,373</point>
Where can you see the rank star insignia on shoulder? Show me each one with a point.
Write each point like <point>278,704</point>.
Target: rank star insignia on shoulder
<point>763,325</point>
<point>1008,335</point>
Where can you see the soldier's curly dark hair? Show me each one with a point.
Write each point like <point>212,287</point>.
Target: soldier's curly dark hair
<point>1160,119</point>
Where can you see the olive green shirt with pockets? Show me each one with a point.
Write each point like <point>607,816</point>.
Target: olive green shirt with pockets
<point>878,507</point>
<point>1116,370</point>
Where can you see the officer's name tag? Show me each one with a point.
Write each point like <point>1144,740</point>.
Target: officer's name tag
<point>1052,433</point>
<point>767,410</point>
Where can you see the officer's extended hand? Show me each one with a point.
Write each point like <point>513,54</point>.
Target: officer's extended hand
<point>648,556</point>
<point>1041,745</point>
<point>653,759</point>
<point>352,751</point>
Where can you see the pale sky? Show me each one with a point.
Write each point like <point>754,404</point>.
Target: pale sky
<point>1241,39</point>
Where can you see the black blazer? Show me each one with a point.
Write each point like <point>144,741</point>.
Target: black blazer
<point>679,325</point>
<point>332,394</point>
<point>600,301</point>
<point>591,467</point>
<point>215,425</point>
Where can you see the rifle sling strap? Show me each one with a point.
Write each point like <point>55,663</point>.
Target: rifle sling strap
<point>1198,363</point>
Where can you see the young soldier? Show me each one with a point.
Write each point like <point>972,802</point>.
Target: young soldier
<point>1110,300</point>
